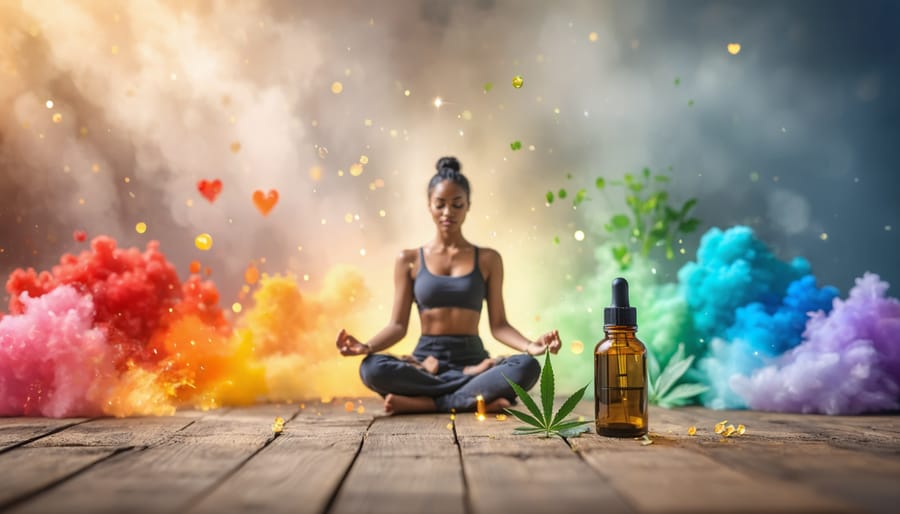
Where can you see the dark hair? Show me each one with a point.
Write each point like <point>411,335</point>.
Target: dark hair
<point>448,169</point>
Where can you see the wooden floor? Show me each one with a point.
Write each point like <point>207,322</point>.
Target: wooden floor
<point>327,459</point>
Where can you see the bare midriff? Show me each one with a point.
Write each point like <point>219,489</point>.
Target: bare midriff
<point>449,321</point>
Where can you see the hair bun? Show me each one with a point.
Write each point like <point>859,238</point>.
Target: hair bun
<point>448,162</point>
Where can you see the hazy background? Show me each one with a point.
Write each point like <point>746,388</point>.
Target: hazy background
<point>796,135</point>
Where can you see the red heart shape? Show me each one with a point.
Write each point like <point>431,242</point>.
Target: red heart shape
<point>210,189</point>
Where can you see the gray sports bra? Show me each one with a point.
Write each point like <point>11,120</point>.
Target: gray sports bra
<point>431,291</point>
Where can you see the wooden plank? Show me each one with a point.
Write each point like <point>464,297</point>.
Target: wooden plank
<point>525,474</point>
<point>407,464</point>
<point>663,477</point>
<point>165,476</point>
<point>301,469</point>
<point>873,434</point>
<point>832,458</point>
<point>18,431</point>
<point>52,459</point>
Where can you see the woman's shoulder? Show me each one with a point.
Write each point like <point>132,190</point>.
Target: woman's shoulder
<point>408,256</point>
<point>488,256</point>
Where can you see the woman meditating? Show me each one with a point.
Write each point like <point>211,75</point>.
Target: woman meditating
<point>448,278</point>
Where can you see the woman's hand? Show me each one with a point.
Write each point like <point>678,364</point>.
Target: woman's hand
<point>549,341</point>
<point>349,345</point>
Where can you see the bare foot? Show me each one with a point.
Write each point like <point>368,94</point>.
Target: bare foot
<point>431,364</point>
<point>397,404</point>
<point>481,367</point>
<point>497,405</point>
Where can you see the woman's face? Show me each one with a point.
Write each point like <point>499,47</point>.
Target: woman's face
<point>448,204</point>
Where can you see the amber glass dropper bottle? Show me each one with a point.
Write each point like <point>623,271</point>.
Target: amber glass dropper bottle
<point>620,370</point>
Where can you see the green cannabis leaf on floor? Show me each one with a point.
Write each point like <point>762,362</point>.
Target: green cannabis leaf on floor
<point>545,422</point>
<point>660,390</point>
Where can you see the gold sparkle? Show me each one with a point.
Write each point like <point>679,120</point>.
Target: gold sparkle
<point>336,87</point>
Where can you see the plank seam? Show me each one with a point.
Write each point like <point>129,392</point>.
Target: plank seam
<point>41,436</point>
<point>46,487</point>
<point>625,500</point>
<point>209,490</point>
<point>467,499</point>
<point>329,505</point>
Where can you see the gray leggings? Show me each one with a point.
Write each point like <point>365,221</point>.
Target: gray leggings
<point>450,388</point>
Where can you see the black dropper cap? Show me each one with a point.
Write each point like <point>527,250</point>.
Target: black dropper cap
<point>620,312</point>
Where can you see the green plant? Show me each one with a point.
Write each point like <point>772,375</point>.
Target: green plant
<point>660,390</point>
<point>651,222</point>
<point>545,422</point>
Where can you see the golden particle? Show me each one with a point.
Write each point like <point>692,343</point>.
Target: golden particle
<point>734,48</point>
<point>349,407</point>
<point>141,227</point>
<point>203,241</point>
<point>692,430</point>
<point>336,87</point>
<point>518,81</point>
<point>356,169</point>
<point>593,37</point>
<point>577,347</point>
<point>235,147</point>
<point>57,118</point>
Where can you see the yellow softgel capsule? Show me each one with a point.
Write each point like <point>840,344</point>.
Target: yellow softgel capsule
<point>518,81</point>
<point>203,241</point>
<point>728,430</point>
<point>720,426</point>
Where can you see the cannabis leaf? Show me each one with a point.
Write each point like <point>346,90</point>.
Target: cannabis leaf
<point>544,422</point>
<point>660,389</point>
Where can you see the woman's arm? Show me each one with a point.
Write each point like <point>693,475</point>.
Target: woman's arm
<point>396,328</point>
<point>500,326</point>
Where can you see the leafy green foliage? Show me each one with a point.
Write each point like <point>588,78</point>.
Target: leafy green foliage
<point>651,221</point>
<point>542,419</point>
<point>661,388</point>
<point>515,145</point>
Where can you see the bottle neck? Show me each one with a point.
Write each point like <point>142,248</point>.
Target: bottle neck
<point>612,331</point>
